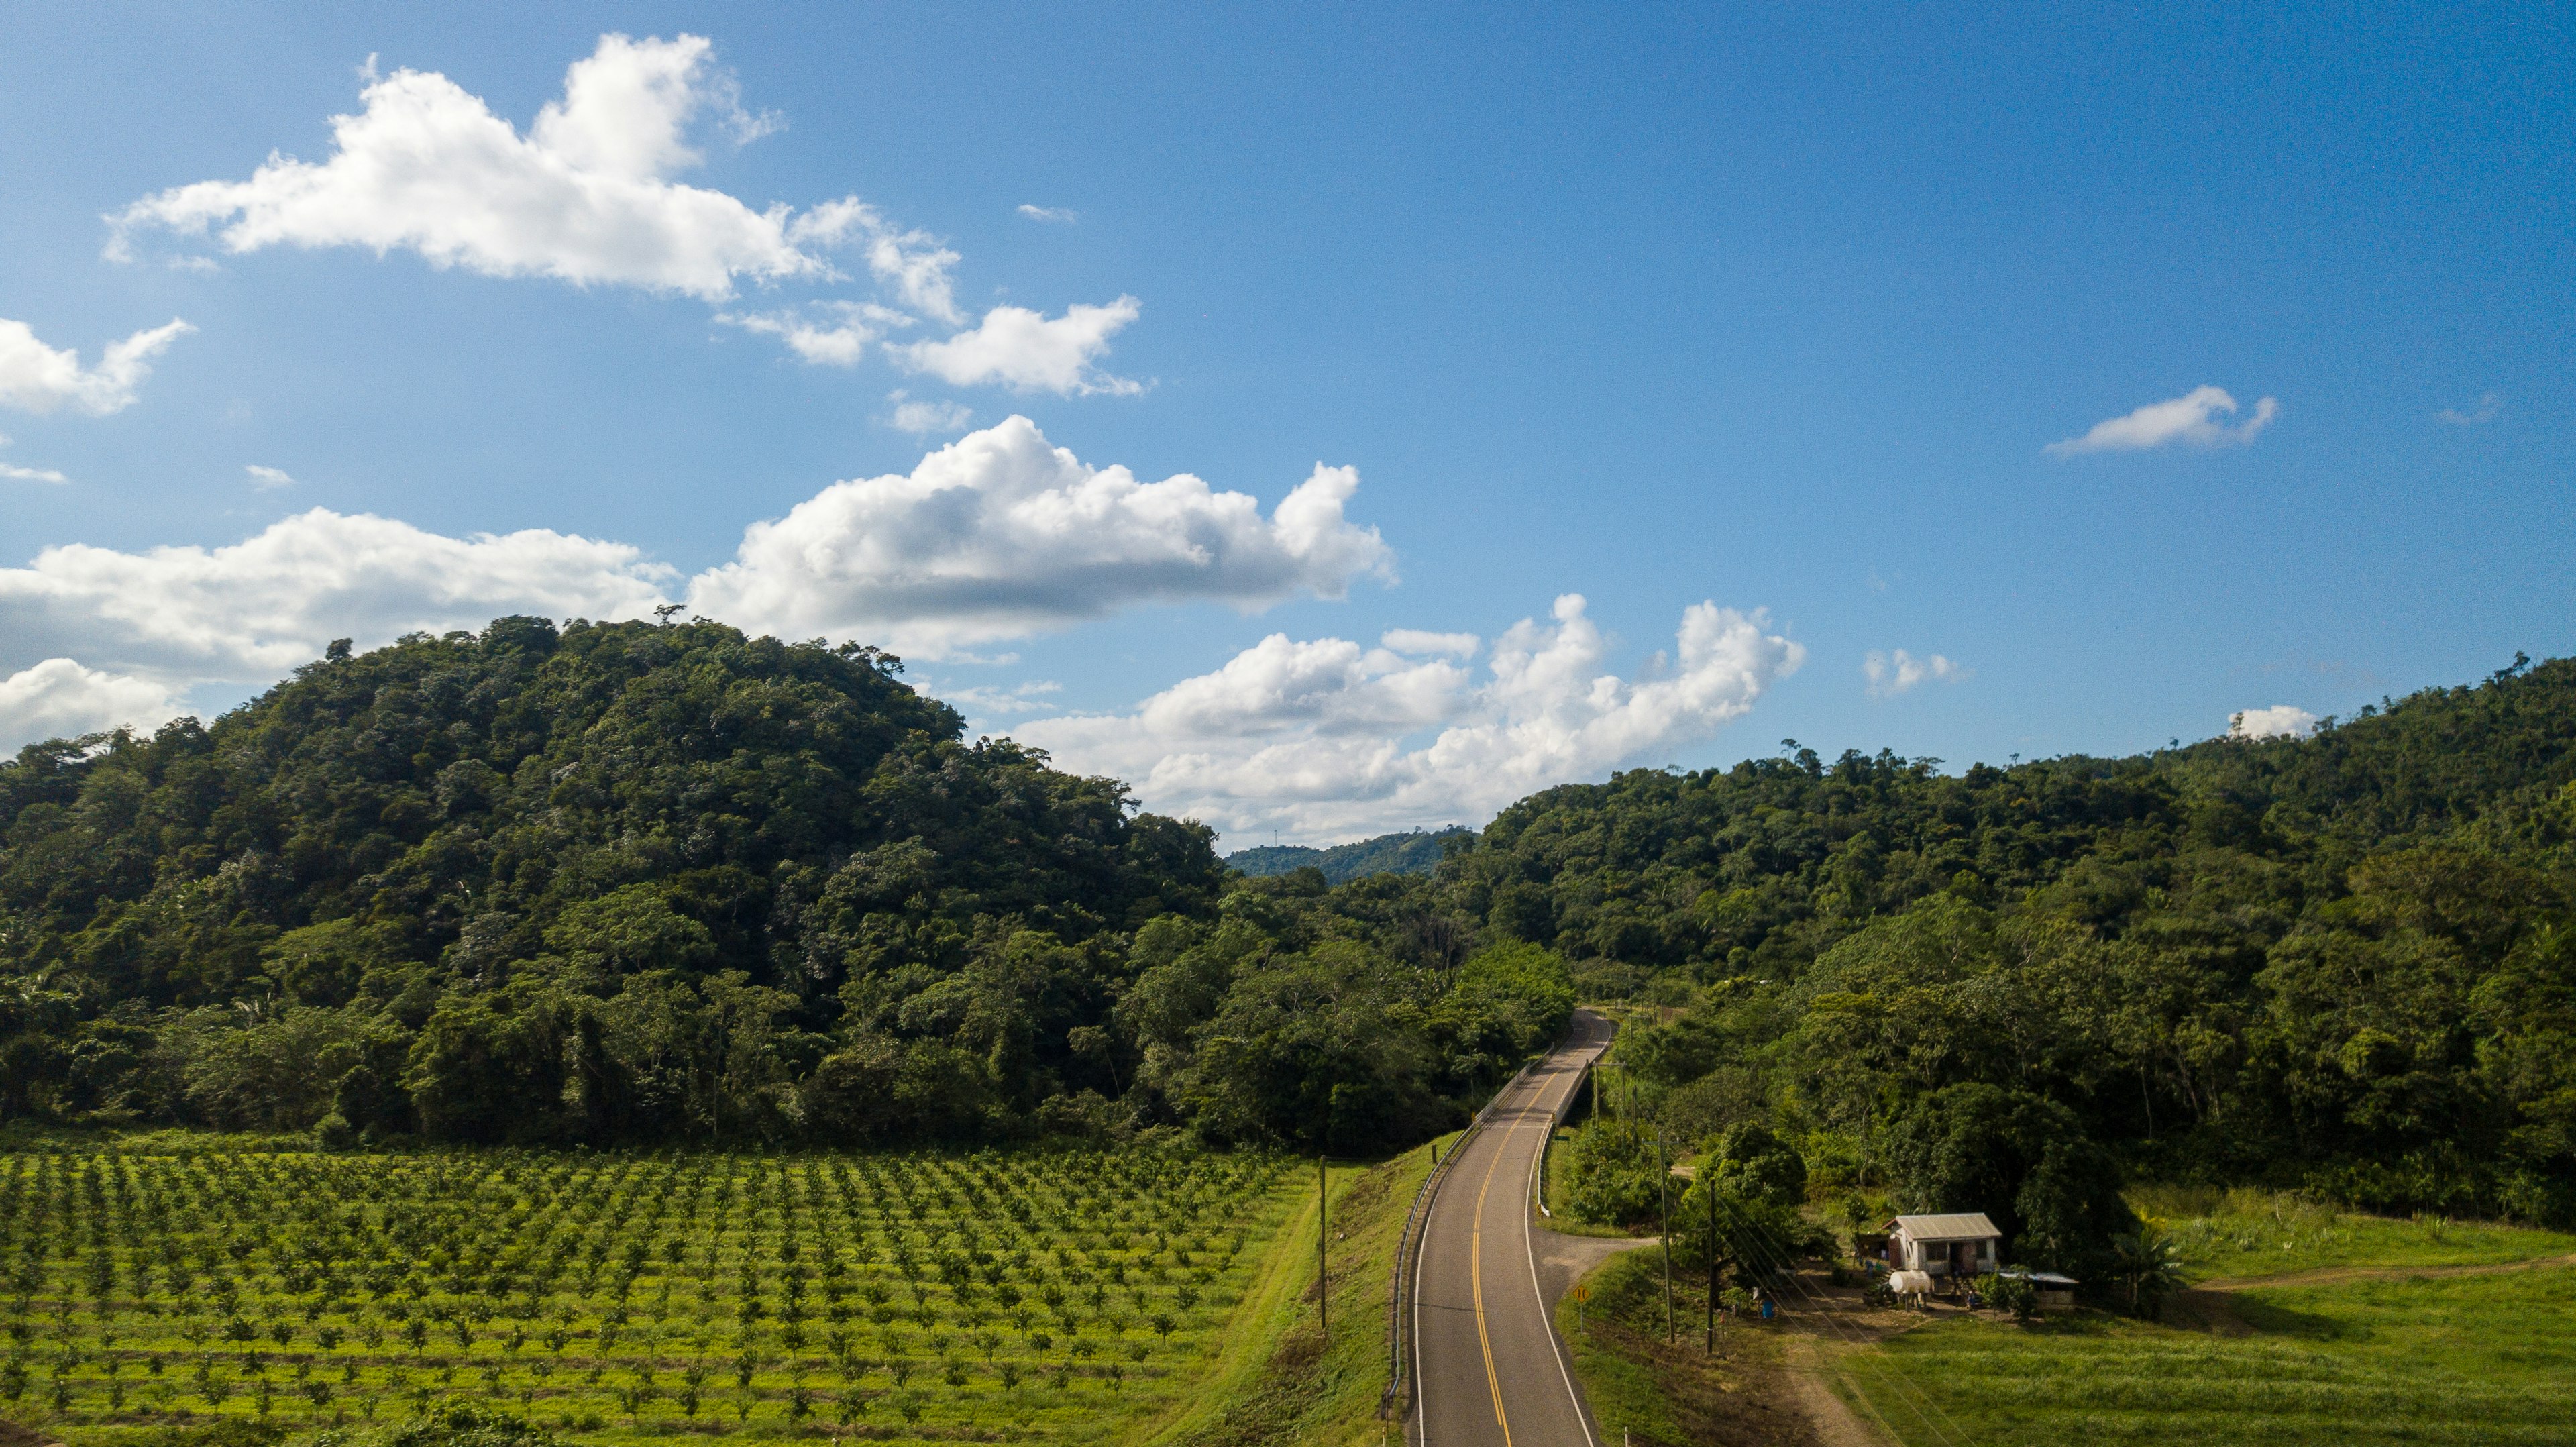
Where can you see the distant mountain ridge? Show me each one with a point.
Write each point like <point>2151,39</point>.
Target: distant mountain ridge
<point>1415,852</point>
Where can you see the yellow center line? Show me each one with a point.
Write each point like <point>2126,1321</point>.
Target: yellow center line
<point>1476,1273</point>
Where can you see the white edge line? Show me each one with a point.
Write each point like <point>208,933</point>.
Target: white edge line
<point>1546,1319</point>
<point>1421,1419</point>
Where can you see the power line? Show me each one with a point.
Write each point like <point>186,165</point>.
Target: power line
<point>1779,1263</point>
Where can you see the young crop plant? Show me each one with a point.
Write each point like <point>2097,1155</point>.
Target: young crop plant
<point>614,1298</point>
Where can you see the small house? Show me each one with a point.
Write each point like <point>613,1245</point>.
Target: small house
<point>1959,1244</point>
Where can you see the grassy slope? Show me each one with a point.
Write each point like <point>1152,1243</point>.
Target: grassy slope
<point>1652,1394</point>
<point>1299,1389</point>
<point>2413,1331</point>
<point>2247,1234</point>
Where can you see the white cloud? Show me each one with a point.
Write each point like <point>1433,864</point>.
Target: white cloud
<point>1311,738</point>
<point>994,536</point>
<point>917,266</point>
<point>922,417</point>
<point>2488,406</point>
<point>981,701</point>
<point>1025,351</point>
<point>1000,535</point>
<point>828,333</point>
<point>585,196</point>
<point>1416,640</point>
<point>254,610</point>
<point>38,378</point>
<point>28,474</point>
<point>2191,418</point>
<point>1060,215</point>
<point>1893,673</point>
<point>60,699</point>
<point>2281,721</point>
<point>268,479</point>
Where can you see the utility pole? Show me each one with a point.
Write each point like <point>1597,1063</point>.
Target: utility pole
<point>1712,1268</point>
<point>1664,1213</point>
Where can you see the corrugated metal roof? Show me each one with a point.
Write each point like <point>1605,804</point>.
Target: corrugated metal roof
<point>1956,1226</point>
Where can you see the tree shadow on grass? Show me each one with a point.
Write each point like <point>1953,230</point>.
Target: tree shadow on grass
<point>2272,1319</point>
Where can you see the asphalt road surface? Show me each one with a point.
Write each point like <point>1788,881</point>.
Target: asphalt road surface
<point>1488,1367</point>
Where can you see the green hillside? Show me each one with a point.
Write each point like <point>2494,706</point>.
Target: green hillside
<point>1414,852</point>
<point>629,883</point>
<point>2345,965</point>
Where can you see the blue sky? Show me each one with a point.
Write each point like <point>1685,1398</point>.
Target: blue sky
<point>1769,308</point>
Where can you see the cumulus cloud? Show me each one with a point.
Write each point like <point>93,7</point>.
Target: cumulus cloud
<point>254,610</point>
<point>28,474</point>
<point>2488,406</point>
<point>923,417</point>
<point>982,701</point>
<point>60,699</point>
<point>268,479</point>
<point>585,196</point>
<point>1027,351</point>
<point>2281,721</point>
<point>1323,739</point>
<point>1060,215</point>
<point>2191,419</point>
<point>38,378</point>
<point>1893,673</point>
<point>827,333</point>
<point>1000,534</point>
<point>1415,640</point>
<point>996,535</point>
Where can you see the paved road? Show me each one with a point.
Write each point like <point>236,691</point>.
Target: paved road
<point>1489,1367</point>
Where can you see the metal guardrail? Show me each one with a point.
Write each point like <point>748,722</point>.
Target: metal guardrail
<point>1409,1245</point>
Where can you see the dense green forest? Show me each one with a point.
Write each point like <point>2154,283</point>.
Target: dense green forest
<point>2344,964</point>
<point>1413,852</point>
<point>659,884</point>
<point>636,883</point>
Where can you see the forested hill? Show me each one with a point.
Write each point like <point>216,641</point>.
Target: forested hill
<point>638,883</point>
<point>665,884</point>
<point>1414,852</point>
<point>2345,964</point>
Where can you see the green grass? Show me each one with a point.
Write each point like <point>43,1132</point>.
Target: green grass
<point>1071,1297</point>
<point>1300,1388</point>
<point>1649,1392</point>
<point>2233,1234</point>
<point>2426,1332</point>
<point>2488,1358</point>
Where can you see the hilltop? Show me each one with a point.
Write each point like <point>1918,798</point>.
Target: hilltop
<point>1412,852</point>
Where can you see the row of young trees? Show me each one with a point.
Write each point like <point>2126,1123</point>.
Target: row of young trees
<point>664,1287</point>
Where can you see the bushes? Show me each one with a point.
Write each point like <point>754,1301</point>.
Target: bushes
<point>463,1426</point>
<point>1615,1174</point>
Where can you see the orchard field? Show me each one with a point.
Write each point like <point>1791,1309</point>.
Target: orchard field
<point>1069,1297</point>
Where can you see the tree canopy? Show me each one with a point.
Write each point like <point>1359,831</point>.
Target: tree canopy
<point>639,883</point>
<point>632,883</point>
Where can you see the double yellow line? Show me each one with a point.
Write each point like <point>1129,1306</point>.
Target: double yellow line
<point>1476,1273</point>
